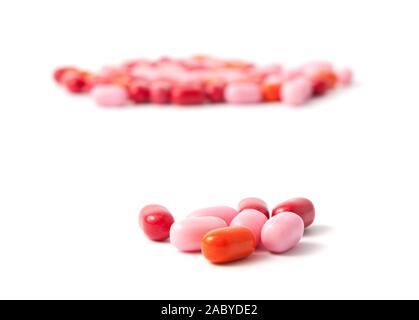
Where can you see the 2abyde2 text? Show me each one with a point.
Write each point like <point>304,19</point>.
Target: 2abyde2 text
<point>222,309</point>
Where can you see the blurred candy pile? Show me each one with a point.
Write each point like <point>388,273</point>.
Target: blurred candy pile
<point>202,79</point>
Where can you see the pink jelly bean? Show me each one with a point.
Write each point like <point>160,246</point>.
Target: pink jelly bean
<point>232,75</point>
<point>211,63</point>
<point>297,91</point>
<point>186,235</point>
<point>292,74</point>
<point>272,69</point>
<point>254,203</point>
<point>345,77</point>
<point>314,68</point>
<point>146,72</point>
<point>274,78</point>
<point>223,212</point>
<point>252,219</point>
<point>109,72</point>
<point>243,92</point>
<point>282,232</point>
<point>108,95</point>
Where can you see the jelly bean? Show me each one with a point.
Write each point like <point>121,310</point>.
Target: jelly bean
<point>238,64</point>
<point>188,94</point>
<point>243,92</point>
<point>300,206</point>
<point>331,78</point>
<point>146,72</point>
<point>254,203</point>
<point>276,78</point>
<point>156,220</point>
<point>345,77</point>
<point>192,64</point>
<point>188,80</point>
<point>271,91</point>
<point>231,75</point>
<point>110,72</point>
<point>129,65</point>
<point>60,72</point>
<point>160,92</point>
<point>223,212</point>
<point>211,63</point>
<point>323,81</point>
<point>139,91</point>
<point>319,87</point>
<point>273,69</point>
<point>74,81</point>
<point>122,80</point>
<point>252,219</point>
<point>109,95</point>
<point>228,244</point>
<point>186,235</point>
<point>292,74</point>
<point>282,232</point>
<point>98,80</point>
<point>313,68</point>
<point>91,80</point>
<point>215,91</point>
<point>296,92</point>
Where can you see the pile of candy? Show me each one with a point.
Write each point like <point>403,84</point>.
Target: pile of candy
<point>224,234</point>
<point>202,79</point>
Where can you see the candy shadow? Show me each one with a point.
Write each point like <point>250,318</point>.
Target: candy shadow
<point>317,230</point>
<point>253,259</point>
<point>193,108</point>
<point>190,253</point>
<point>303,249</point>
<point>225,105</point>
<point>336,93</point>
<point>162,242</point>
<point>254,105</point>
<point>186,108</point>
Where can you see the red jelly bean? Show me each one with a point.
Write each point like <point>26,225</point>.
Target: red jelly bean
<point>254,203</point>
<point>215,92</point>
<point>319,87</point>
<point>188,94</point>
<point>89,79</point>
<point>160,92</point>
<point>300,206</point>
<point>139,91</point>
<point>323,81</point>
<point>60,72</point>
<point>156,220</point>
<point>74,81</point>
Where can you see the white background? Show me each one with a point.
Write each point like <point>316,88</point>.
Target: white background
<point>74,176</point>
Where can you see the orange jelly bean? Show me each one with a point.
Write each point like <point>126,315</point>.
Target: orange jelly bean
<point>271,91</point>
<point>228,244</point>
<point>328,77</point>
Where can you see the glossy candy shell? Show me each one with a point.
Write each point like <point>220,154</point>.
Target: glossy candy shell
<point>228,244</point>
